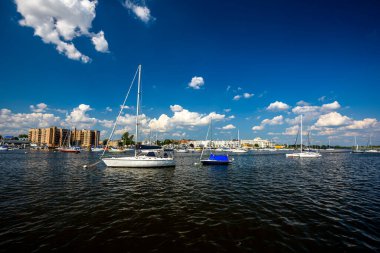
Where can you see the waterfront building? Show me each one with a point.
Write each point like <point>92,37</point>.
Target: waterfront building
<point>55,137</point>
<point>261,143</point>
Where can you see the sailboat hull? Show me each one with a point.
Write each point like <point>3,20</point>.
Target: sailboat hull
<point>304,155</point>
<point>139,162</point>
<point>215,162</point>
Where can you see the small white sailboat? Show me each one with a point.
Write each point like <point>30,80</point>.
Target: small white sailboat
<point>151,159</point>
<point>239,149</point>
<point>306,154</point>
<point>329,147</point>
<point>370,148</point>
<point>356,150</point>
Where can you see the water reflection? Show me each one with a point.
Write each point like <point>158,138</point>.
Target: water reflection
<point>261,202</point>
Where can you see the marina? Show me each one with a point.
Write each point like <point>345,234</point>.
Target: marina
<point>189,126</point>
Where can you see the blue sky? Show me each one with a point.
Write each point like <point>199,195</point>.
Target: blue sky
<point>242,56</point>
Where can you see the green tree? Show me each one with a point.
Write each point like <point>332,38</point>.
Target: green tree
<point>256,145</point>
<point>167,141</point>
<point>127,139</point>
<point>23,136</point>
<point>105,142</point>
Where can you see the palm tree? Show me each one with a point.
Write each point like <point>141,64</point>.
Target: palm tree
<point>127,139</point>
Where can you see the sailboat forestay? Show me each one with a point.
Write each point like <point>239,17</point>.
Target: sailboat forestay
<point>151,159</point>
<point>302,154</point>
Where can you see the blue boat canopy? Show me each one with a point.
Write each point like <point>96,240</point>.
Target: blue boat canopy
<point>218,157</point>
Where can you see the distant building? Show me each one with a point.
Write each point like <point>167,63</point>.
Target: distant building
<point>55,137</point>
<point>261,143</point>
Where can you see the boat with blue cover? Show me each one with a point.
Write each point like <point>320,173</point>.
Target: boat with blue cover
<point>216,160</point>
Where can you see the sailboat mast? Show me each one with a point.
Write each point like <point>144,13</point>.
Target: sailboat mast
<point>138,109</point>
<point>301,133</point>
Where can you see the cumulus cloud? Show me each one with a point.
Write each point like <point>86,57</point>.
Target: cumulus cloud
<point>248,95</point>
<point>196,82</point>
<point>141,12</point>
<point>58,22</point>
<point>332,119</point>
<point>228,127</point>
<point>237,97</point>
<point>330,107</point>
<point>176,108</point>
<point>306,109</point>
<point>302,103</point>
<point>183,118</point>
<point>19,123</point>
<point>79,117</point>
<point>362,124</point>
<point>258,128</point>
<point>278,106</point>
<point>41,107</point>
<point>227,110</point>
<point>293,130</point>
<point>100,42</point>
<point>277,120</point>
<point>108,109</point>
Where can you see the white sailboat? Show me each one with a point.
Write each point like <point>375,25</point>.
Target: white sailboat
<point>370,148</point>
<point>239,149</point>
<point>302,154</point>
<point>152,159</point>
<point>329,147</point>
<point>356,150</point>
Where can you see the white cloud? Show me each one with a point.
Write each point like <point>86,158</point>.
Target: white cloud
<point>227,110</point>
<point>293,130</point>
<point>79,118</point>
<point>176,108</point>
<point>362,124</point>
<point>330,107</point>
<point>237,97</point>
<point>258,128</point>
<point>19,123</point>
<point>196,82</point>
<point>323,98</point>
<point>231,117</point>
<point>278,106</point>
<point>248,95</point>
<point>228,127</point>
<point>58,22</point>
<point>302,103</point>
<point>41,107</point>
<point>108,109</point>
<point>141,12</point>
<point>228,88</point>
<point>100,42</point>
<point>332,119</point>
<point>277,120</point>
<point>179,134</point>
<point>183,119</point>
<point>305,109</point>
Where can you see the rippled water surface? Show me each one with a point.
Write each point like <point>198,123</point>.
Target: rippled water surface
<point>262,202</point>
